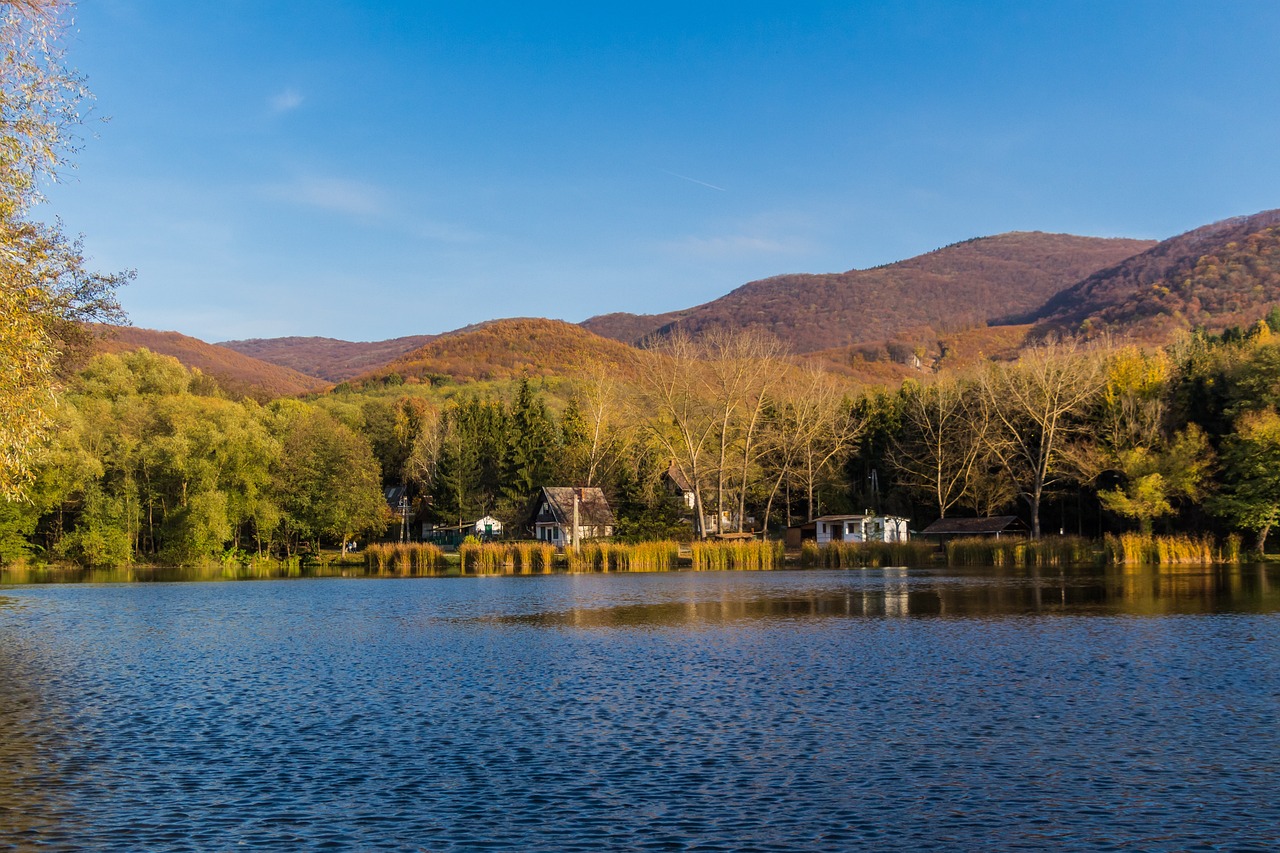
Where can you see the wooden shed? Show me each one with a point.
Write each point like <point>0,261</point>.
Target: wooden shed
<point>991,527</point>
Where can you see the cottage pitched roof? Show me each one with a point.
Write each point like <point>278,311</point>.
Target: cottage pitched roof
<point>976,526</point>
<point>593,508</point>
<point>678,478</point>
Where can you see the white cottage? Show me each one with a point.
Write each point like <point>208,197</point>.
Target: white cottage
<point>860,528</point>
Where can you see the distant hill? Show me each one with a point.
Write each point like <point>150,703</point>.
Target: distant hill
<point>988,279</point>
<point>327,358</point>
<point>1216,276</point>
<point>505,349</point>
<point>239,374</point>
<point>921,352</point>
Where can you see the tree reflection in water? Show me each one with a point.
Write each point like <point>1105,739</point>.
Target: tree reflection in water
<point>968,593</point>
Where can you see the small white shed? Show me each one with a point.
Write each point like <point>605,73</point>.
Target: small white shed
<point>488,527</point>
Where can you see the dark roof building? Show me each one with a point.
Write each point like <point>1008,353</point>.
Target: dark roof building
<point>964,528</point>
<point>553,514</point>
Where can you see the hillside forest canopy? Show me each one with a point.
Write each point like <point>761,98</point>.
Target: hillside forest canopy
<point>152,462</point>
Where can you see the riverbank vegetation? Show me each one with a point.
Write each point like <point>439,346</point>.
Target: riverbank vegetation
<point>860,555</point>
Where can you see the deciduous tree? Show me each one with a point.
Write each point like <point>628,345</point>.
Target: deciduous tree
<point>44,287</point>
<point>942,441</point>
<point>1037,405</point>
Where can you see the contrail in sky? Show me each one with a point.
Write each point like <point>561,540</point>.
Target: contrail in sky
<point>694,180</point>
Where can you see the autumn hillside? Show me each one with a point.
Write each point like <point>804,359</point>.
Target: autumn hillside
<point>1216,276</point>
<point>921,352</point>
<point>327,358</point>
<point>967,284</point>
<point>505,349</point>
<point>238,374</point>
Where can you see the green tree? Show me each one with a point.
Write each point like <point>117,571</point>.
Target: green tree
<point>1155,480</point>
<point>531,447</point>
<point>468,468</point>
<point>1250,496</point>
<point>327,480</point>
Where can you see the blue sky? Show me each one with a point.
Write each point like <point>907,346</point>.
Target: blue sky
<point>367,170</point>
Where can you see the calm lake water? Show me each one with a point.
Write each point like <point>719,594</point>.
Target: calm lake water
<point>880,709</point>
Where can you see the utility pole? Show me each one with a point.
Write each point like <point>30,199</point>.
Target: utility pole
<point>573,534</point>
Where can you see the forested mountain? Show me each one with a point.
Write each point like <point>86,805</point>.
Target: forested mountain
<point>504,349</point>
<point>966,284</point>
<point>237,373</point>
<point>327,358</point>
<point>1216,276</point>
<point>871,324</point>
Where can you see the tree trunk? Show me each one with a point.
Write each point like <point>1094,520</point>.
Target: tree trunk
<point>1034,500</point>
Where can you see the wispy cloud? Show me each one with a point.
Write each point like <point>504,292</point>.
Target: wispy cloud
<point>693,180</point>
<point>286,101</point>
<point>339,195</point>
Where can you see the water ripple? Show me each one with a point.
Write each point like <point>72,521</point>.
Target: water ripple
<point>719,712</point>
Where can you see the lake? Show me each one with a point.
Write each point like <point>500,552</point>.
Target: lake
<point>885,709</point>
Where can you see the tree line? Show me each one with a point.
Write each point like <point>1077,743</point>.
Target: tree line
<point>150,461</point>
<point>1101,437</point>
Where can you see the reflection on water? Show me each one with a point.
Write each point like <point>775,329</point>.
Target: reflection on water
<point>958,593</point>
<point>37,779</point>
<point>881,709</point>
<point>232,571</point>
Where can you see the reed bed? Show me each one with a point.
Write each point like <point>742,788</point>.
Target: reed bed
<point>1131,549</point>
<point>737,556</point>
<point>1054,552</point>
<point>507,558</point>
<point>1231,550</point>
<point>861,555</point>
<point>533,558</point>
<point>618,557</point>
<point>403,560</point>
<point>486,558</point>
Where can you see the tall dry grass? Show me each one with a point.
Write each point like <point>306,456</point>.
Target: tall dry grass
<point>507,558</point>
<point>617,557</point>
<point>1132,549</point>
<point>737,556</point>
<point>404,560</point>
<point>856,555</point>
<point>1056,551</point>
